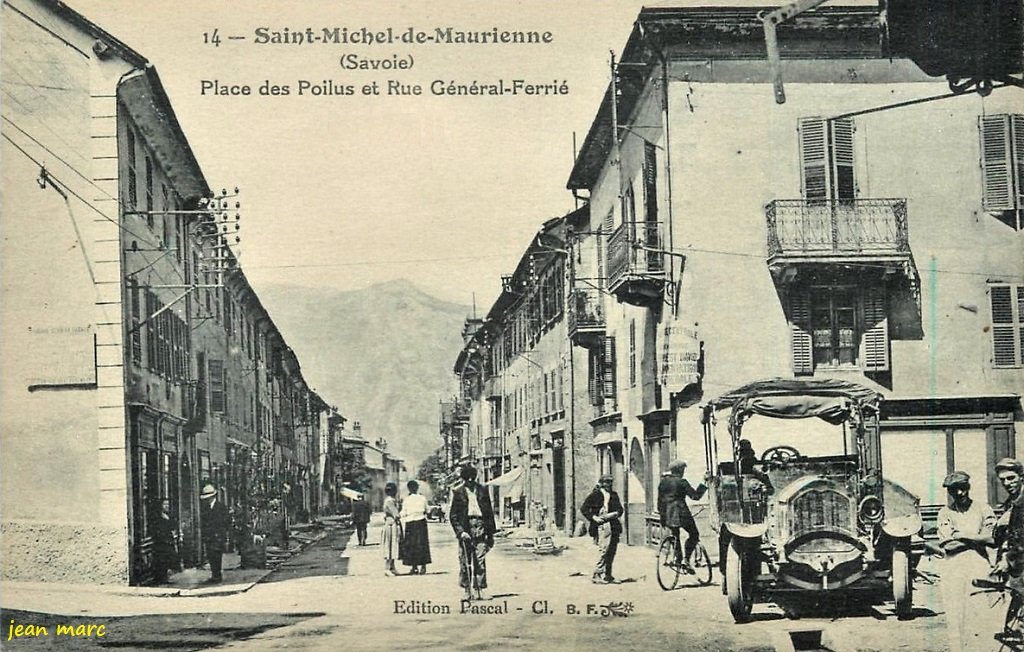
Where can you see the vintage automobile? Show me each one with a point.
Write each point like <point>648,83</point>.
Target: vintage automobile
<point>813,525</point>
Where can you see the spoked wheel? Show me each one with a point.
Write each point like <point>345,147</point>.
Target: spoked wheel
<point>702,564</point>
<point>668,568</point>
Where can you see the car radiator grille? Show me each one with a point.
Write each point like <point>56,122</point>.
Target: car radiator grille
<point>820,509</point>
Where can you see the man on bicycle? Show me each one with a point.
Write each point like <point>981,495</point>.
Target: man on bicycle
<point>673,490</point>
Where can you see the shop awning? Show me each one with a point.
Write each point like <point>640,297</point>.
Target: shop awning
<point>351,494</point>
<point>511,482</point>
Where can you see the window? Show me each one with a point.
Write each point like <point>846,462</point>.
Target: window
<point>826,159</point>
<point>632,353</point>
<point>149,192</point>
<point>650,182</point>
<point>129,146</point>
<point>839,326</point>
<point>1007,303</point>
<point>136,321</point>
<point>608,368</point>
<point>218,400</point>
<point>1002,166</point>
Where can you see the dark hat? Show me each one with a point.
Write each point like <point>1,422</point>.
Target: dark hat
<point>956,478</point>
<point>1010,464</point>
<point>605,478</point>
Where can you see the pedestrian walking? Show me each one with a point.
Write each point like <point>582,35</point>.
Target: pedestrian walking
<point>673,490</point>
<point>214,521</point>
<point>360,518</point>
<point>472,519</point>
<point>603,510</point>
<point>416,541</point>
<point>964,530</point>
<point>391,535</point>
<point>165,548</point>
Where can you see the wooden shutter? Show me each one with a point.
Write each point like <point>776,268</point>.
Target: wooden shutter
<point>996,165</point>
<point>1017,140</point>
<point>650,182</point>
<point>608,368</point>
<point>813,158</point>
<point>1006,344</point>
<point>843,184</point>
<point>874,353</point>
<point>800,334</point>
<point>217,402</point>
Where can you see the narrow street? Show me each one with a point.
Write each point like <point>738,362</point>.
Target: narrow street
<point>335,595</point>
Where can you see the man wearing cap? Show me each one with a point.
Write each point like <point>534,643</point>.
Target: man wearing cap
<point>673,491</point>
<point>1009,530</point>
<point>603,509</point>
<point>964,530</point>
<point>214,522</point>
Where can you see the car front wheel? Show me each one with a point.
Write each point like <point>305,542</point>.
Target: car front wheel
<point>902,582</point>
<point>739,582</point>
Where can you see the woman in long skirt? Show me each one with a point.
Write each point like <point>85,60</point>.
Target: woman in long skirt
<point>416,544</point>
<point>391,536</point>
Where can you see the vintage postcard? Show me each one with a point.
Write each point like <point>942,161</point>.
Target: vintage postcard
<point>368,325</point>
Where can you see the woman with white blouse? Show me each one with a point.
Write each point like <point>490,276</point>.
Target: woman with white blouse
<point>416,543</point>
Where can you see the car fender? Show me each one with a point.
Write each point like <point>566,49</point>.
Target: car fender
<point>902,526</point>
<point>747,530</point>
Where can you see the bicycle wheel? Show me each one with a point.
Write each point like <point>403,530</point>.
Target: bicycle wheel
<point>702,565</point>
<point>668,569</point>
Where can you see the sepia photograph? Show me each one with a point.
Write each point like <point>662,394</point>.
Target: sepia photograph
<point>512,325</point>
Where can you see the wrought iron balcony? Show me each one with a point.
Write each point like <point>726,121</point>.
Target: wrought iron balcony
<point>636,272</point>
<point>801,230</point>
<point>586,316</point>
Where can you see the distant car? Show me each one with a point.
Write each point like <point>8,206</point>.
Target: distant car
<point>435,513</point>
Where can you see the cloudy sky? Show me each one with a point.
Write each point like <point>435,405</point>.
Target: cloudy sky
<point>343,191</point>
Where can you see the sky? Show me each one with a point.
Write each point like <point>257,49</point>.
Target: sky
<point>345,191</point>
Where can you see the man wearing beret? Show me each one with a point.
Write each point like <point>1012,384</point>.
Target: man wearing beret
<point>964,529</point>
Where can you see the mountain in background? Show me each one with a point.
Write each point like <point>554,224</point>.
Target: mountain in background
<point>383,355</point>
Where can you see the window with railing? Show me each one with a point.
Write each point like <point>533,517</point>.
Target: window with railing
<point>828,227</point>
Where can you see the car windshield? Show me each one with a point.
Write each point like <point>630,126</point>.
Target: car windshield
<point>811,437</point>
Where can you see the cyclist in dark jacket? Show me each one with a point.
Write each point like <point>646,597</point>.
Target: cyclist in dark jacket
<point>673,490</point>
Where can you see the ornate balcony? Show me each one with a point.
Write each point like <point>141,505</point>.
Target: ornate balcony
<point>586,317</point>
<point>857,231</point>
<point>636,274</point>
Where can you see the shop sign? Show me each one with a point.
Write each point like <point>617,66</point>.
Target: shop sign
<point>680,358</point>
<point>63,356</point>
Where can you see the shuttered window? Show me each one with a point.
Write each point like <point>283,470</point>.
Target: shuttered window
<point>216,380</point>
<point>1007,302</point>
<point>650,182</point>
<point>839,326</point>
<point>608,367</point>
<point>632,353</point>
<point>1002,164</point>
<point>826,159</point>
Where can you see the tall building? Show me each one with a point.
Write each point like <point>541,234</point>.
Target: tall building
<point>137,361</point>
<point>867,229</point>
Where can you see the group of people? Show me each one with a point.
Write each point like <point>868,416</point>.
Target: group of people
<point>404,535</point>
<point>214,520</point>
<point>968,530</point>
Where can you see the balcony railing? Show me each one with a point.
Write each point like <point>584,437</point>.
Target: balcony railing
<point>630,255</point>
<point>823,228</point>
<point>586,310</point>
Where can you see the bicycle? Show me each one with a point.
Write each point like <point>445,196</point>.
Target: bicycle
<point>669,569</point>
<point>1012,636</point>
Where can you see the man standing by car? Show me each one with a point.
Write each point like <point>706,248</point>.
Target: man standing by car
<point>472,520</point>
<point>673,490</point>
<point>603,509</point>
